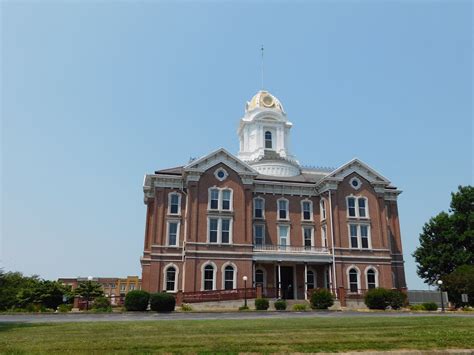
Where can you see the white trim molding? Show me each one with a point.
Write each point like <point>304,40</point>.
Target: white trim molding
<point>165,278</point>
<point>229,263</point>
<point>310,203</point>
<point>348,269</point>
<point>214,274</point>
<point>376,271</point>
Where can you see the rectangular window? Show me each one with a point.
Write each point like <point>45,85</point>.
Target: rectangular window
<point>283,239</point>
<point>307,211</point>
<point>364,236</point>
<point>259,236</point>
<point>308,238</point>
<point>258,208</point>
<point>132,287</point>
<point>172,233</point>
<point>226,200</point>
<point>225,228</point>
<point>214,199</point>
<point>213,228</point>
<point>323,209</point>
<point>361,202</point>
<point>208,278</point>
<point>351,206</point>
<point>324,238</point>
<point>282,209</point>
<point>353,231</point>
<point>174,204</point>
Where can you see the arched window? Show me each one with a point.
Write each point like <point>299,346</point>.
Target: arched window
<point>259,277</point>
<point>371,279</point>
<point>209,277</point>
<point>171,279</point>
<point>229,278</point>
<point>310,279</point>
<point>268,140</point>
<point>354,280</point>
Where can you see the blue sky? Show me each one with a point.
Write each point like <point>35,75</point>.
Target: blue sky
<point>96,94</point>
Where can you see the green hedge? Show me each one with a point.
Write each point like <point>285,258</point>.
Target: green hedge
<point>162,302</point>
<point>280,305</point>
<point>137,301</point>
<point>321,299</point>
<point>381,298</point>
<point>430,306</point>
<point>261,304</point>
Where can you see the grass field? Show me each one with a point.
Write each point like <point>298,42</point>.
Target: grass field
<point>233,336</point>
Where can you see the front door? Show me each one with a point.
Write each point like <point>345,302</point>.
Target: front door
<point>287,284</point>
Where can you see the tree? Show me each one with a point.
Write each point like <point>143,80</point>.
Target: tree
<point>89,290</point>
<point>447,240</point>
<point>16,290</point>
<point>460,281</point>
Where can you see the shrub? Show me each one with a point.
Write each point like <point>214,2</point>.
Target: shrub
<point>102,304</point>
<point>321,299</point>
<point>280,305</point>
<point>186,307</point>
<point>300,307</point>
<point>243,308</point>
<point>397,299</point>
<point>417,307</point>
<point>63,308</point>
<point>137,300</point>
<point>377,298</point>
<point>261,304</point>
<point>430,306</point>
<point>162,302</point>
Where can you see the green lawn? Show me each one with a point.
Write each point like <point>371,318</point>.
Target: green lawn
<point>233,336</point>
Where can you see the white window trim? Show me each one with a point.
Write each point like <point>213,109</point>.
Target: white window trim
<point>179,203</point>
<point>359,236</point>
<point>178,228</point>
<point>356,206</point>
<point>223,274</point>
<point>219,230</point>
<point>220,199</point>
<point>322,207</point>
<point>358,181</point>
<point>176,277</point>
<point>288,236</point>
<point>263,207</point>
<point>214,277</point>
<point>260,225</point>
<point>311,219</point>
<point>287,209</point>
<point>315,277</point>
<point>264,276</point>
<point>324,236</point>
<point>216,172</point>
<point>312,234</point>
<point>371,267</point>
<point>349,278</point>
<point>272,133</point>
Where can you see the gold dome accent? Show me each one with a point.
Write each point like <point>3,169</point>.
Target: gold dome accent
<point>263,99</point>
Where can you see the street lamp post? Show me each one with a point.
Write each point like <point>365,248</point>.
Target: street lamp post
<point>440,282</point>
<point>245,290</point>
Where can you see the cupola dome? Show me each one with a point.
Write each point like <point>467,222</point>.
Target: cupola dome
<point>264,100</point>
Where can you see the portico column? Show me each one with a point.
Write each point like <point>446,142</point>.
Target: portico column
<point>279,281</point>
<point>305,281</point>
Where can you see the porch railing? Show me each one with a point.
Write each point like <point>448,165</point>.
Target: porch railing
<point>218,295</point>
<point>289,249</point>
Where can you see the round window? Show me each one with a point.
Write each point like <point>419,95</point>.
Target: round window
<point>220,174</point>
<point>355,183</point>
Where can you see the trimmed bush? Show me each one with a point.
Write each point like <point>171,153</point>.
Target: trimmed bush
<point>377,298</point>
<point>321,299</point>
<point>430,306</point>
<point>261,304</point>
<point>102,304</point>
<point>417,307</point>
<point>300,307</point>
<point>244,308</point>
<point>280,305</point>
<point>137,301</point>
<point>186,307</point>
<point>63,308</point>
<point>397,299</point>
<point>162,302</point>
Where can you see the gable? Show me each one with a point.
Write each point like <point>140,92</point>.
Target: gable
<point>217,157</point>
<point>360,168</point>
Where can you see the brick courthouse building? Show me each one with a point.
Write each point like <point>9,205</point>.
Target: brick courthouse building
<point>262,215</point>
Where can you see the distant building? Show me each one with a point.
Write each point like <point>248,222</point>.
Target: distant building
<point>114,287</point>
<point>260,214</point>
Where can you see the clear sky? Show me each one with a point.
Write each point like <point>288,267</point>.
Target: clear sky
<point>96,94</point>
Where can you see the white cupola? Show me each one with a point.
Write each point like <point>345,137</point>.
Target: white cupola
<point>264,134</point>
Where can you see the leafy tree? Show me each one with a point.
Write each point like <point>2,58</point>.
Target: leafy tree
<point>89,290</point>
<point>460,281</point>
<point>15,289</point>
<point>447,240</point>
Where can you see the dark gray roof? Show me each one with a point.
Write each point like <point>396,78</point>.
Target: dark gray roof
<point>178,170</point>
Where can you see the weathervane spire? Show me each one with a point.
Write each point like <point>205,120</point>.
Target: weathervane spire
<point>262,64</point>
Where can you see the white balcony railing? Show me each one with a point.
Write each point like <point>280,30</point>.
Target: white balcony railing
<point>289,249</point>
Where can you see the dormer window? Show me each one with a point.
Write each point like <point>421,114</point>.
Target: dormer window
<point>268,140</point>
